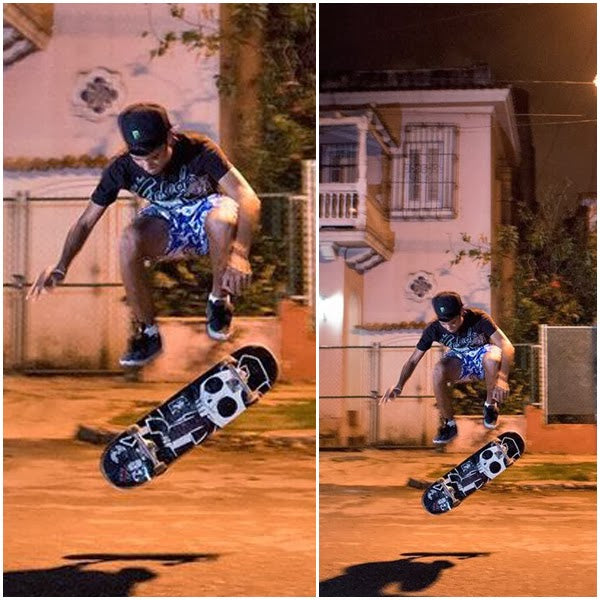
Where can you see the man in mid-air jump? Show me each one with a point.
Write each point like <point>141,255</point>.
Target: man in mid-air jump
<point>199,203</point>
<point>478,350</point>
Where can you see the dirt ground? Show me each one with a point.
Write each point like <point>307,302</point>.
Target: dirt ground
<point>230,523</point>
<point>376,539</point>
<point>220,522</point>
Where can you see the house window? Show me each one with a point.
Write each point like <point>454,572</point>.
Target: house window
<point>427,179</point>
<point>338,163</point>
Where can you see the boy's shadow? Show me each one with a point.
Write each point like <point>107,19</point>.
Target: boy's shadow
<point>370,579</point>
<point>73,580</point>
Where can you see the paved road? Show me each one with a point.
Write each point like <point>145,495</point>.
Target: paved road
<point>376,540</point>
<point>220,523</point>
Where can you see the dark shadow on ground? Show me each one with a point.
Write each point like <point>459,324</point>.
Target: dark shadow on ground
<point>74,580</point>
<point>407,575</point>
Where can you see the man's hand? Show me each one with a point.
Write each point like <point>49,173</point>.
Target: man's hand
<point>390,394</point>
<point>47,280</point>
<point>237,275</point>
<point>501,390</point>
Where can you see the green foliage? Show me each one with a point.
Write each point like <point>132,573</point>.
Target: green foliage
<point>468,398</point>
<point>482,253</point>
<point>273,142</point>
<point>181,287</point>
<point>555,264</point>
<point>555,279</point>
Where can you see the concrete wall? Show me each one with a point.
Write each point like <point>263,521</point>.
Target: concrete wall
<point>188,351</point>
<point>568,439</point>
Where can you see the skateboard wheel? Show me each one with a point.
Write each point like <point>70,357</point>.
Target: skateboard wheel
<point>160,468</point>
<point>133,429</point>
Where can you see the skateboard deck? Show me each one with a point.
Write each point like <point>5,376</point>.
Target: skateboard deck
<point>189,417</point>
<point>447,492</point>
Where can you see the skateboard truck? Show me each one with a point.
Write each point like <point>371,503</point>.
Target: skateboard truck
<point>149,449</point>
<point>450,491</point>
<point>242,376</point>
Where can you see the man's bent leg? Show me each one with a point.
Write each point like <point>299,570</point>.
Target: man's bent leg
<point>146,238</point>
<point>446,371</point>
<point>221,223</point>
<point>491,364</point>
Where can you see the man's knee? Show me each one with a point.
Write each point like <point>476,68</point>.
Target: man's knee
<point>492,358</point>
<point>446,370</point>
<point>144,237</point>
<point>223,216</point>
<point>131,241</point>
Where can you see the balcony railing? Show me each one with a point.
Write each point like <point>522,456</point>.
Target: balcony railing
<point>339,206</point>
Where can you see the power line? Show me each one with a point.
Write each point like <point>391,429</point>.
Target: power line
<point>557,123</point>
<point>547,115</point>
<point>552,81</point>
<point>430,22</point>
<point>554,123</point>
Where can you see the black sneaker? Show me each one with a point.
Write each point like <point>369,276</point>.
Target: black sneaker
<point>490,416</point>
<point>446,433</point>
<point>144,346</point>
<point>218,318</point>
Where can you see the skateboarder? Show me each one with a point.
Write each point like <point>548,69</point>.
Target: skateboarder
<point>478,350</point>
<point>198,203</point>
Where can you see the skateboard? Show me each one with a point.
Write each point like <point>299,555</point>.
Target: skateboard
<point>214,399</point>
<point>472,474</point>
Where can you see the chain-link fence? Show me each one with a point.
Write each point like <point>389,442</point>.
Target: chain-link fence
<point>569,373</point>
<point>352,378</point>
<point>84,324</point>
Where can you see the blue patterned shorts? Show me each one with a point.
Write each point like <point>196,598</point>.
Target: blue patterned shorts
<point>471,362</point>
<point>187,232</point>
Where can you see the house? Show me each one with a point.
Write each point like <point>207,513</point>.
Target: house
<point>416,169</point>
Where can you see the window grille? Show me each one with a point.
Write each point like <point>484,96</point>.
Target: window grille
<point>338,163</point>
<point>427,175</point>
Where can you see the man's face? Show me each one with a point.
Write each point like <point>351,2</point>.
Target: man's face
<point>156,161</point>
<point>453,325</point>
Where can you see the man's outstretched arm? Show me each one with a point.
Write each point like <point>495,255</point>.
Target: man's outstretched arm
<point>76,238</point>
<point>407,371</point>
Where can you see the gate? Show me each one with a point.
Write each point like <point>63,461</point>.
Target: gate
<point>83,324</point>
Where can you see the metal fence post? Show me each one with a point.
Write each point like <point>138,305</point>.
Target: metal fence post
<point>543,332</point>
<point>375,382</point>
<point>19,275</point>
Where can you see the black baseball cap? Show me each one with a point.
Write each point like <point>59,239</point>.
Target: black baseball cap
<point>447,305</point>
<point>144,127</point>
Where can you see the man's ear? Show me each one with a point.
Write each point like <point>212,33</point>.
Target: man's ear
<point>170,137</point>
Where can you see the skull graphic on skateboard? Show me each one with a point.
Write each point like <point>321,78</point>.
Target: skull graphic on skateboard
<point>447,492</point>
<point>214,399</point>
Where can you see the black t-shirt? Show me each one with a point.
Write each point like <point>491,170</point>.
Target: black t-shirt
<point>476,330</point>
<point>196,165</point>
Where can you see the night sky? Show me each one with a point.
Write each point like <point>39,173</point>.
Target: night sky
<point>545,42</point>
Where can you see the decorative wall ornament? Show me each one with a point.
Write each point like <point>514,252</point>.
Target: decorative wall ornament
<point>420,286</point>
<point>98,94</point>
